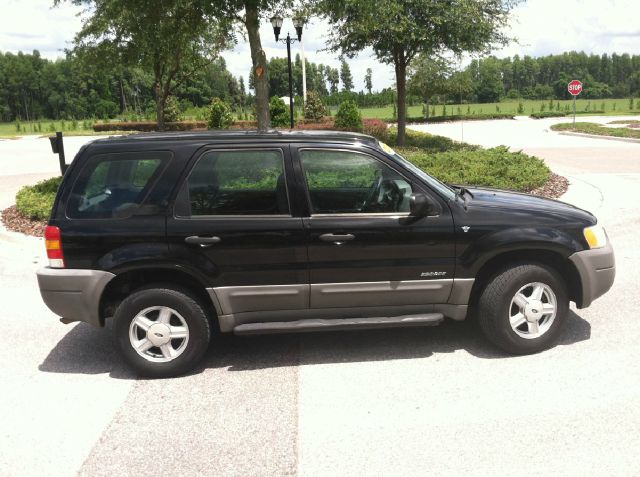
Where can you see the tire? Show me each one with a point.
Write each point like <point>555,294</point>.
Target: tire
<point>168,325</point>
<point>511,297</point>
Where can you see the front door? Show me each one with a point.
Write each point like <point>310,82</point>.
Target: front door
<point>233,223</point>
<point>365,250</point>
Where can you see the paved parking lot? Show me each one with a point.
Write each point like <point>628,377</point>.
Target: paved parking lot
<point>433,401</point>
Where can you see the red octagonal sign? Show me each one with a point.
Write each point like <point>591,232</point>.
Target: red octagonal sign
<point>575,87</point>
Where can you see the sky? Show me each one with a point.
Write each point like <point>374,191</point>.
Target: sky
<point>541,27</point>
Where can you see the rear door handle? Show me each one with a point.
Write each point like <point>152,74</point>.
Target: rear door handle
<point>202,241</point>
<point>337,238</point>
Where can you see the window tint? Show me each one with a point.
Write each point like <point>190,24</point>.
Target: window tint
<point>343,182</point>
<point>237,183</point>
<point>114,185</point>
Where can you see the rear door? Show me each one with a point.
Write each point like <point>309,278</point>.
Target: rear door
<point>365,250</point>
<point>233,222</point>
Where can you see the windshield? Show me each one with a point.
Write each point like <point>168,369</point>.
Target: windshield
<point>432,181</point>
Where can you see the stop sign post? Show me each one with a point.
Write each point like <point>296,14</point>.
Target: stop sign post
<point>574,88</point>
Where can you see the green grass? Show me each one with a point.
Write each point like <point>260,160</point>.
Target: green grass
<point>46,128</point>
<point>611,107</point>
<point>630,122</point>
<point>597,129</point>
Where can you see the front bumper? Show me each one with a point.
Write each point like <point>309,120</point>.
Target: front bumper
<point>597,269</point>
<point>73,294</point>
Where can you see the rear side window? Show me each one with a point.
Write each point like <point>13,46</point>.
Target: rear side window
<point>241,182</point>
<point>115,185</point>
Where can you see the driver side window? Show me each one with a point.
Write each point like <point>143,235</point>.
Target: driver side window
<point>346,182</point>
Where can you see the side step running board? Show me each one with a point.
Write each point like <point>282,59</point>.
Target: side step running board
<point>428,319</point>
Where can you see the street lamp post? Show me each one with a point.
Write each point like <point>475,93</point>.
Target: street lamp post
<point>298,23</point>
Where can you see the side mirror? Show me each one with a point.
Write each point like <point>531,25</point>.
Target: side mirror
<point>419,205</point>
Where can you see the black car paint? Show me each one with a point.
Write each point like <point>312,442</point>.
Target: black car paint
<point>286,250</point>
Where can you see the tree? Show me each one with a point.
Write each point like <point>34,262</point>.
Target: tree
<point>367,80</point>
<point>333,78</point>
<point>173,40</point>
<point>398,30</point>
<point>429,77</point>
<point>345,76</point>
<point>314,109</point>
<point>488,82</point>
<point>248,14</point>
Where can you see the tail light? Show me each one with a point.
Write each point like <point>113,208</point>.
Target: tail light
<point>53,243</point>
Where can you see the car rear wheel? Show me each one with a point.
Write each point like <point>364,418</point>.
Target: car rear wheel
<point>523,307</point>
<point>161,332</point>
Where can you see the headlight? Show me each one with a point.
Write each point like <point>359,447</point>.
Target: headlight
<point>596,236</point>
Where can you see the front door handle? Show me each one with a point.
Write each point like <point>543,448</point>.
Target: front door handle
<point>337,238</point>
<point>202,241</point>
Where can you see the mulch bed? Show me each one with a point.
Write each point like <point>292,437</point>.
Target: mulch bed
<point>554,188</point>
<point>16,222</point>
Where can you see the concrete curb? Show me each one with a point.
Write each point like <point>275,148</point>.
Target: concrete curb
<point>596,136</point>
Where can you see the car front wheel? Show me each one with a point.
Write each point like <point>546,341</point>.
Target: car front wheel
<point>161,332</point>
<point>523,307</point>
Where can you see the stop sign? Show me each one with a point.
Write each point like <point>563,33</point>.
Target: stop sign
<point>575,87</point>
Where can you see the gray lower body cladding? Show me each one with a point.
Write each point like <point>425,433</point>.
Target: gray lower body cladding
<point>283,303</point>
<point>597,270</point>
<point>74,294</point>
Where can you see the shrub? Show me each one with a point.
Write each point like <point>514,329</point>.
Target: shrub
<point>172,112</point>
<point>497,167</point>
<point>36,201</point>
<point>376,128</point>
<point>348,117</point>
<point>314,108</point>
<point>219,115</point>
<point>279,112</point>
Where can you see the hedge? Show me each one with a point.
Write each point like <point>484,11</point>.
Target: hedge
<point>548,114</point>
<point>148,126</point>
<point>456,117</point>
<point>497,167</point>
<point>36,201</point>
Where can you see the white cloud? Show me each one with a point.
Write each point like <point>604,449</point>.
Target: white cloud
<point>541,26</point>
<point>545,27</point>
<point>27,25</point>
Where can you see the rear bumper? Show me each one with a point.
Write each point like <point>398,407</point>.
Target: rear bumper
<point>74,294</point>
<point>597,269</point>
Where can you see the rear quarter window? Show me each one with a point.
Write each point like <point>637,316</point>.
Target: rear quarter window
<point>115,185</point>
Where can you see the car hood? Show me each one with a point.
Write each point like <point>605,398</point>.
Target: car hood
<point>526,204</point>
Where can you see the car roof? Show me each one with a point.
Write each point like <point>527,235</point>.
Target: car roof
<point>244,135</point>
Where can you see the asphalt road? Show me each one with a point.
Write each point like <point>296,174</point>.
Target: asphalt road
<point>436,401</point>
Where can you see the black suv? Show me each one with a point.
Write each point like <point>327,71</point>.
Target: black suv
<point>176,236</point>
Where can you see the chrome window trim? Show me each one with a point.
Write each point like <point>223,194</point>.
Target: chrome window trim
<point>367,214</point>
